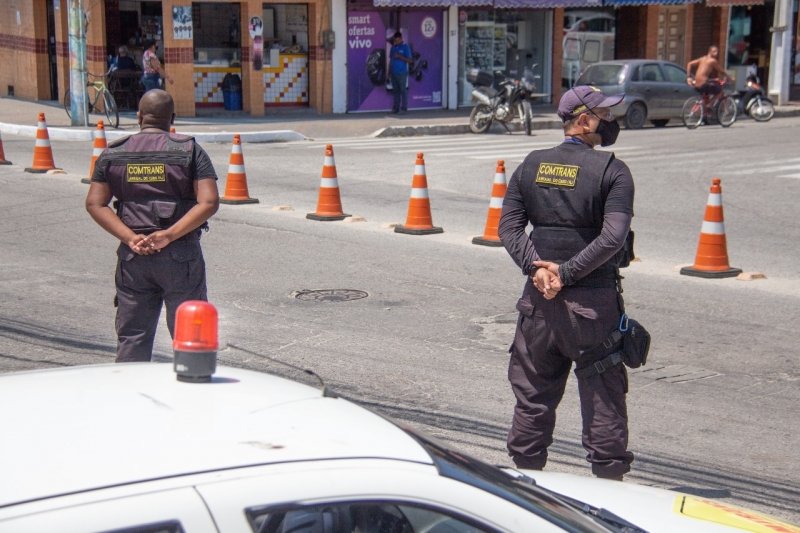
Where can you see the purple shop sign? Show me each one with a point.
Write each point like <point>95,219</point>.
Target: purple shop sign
<point>367,52</point>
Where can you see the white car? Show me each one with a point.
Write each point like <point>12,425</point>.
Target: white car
<point>129,447</point>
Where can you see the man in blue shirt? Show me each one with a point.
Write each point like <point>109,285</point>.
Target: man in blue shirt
<point>399,59</point>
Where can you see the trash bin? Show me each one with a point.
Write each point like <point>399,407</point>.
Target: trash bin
<point>232,92</point>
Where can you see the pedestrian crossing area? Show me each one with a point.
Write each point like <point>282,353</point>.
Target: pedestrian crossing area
<point>513,149</point>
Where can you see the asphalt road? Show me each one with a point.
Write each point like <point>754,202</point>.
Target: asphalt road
<point>713,413</point>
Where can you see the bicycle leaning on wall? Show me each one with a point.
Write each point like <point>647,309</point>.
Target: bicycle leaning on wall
<point>99,100</point>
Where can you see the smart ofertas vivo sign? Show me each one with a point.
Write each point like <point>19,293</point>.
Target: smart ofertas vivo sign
<point>368,52</point>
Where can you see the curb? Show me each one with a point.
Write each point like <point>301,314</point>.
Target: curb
<point>69,134</point>
<point>454,129</point>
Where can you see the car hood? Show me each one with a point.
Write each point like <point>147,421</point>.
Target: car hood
<point>658,510</point>
<point>82,428</point>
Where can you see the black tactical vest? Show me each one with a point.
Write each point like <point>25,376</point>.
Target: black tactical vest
<point>150,175</point>
<point>564,193</point>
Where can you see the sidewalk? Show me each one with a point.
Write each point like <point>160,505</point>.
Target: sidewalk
<point>19,117</point>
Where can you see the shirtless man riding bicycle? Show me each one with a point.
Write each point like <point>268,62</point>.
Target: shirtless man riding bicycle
<point>709,76</point>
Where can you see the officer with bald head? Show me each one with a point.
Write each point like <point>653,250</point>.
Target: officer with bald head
<point>164,189</point>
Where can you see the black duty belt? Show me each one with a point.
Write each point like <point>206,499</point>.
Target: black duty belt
<point>614,343</point>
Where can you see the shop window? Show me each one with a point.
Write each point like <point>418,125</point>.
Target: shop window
<point>500,40</point>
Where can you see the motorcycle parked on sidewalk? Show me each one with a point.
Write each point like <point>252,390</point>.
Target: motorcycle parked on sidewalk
<point>502,99</point>
<point>754,102</point>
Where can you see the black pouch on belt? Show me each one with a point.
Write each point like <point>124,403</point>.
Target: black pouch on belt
<point>634,345</point>
<point>635,342</point>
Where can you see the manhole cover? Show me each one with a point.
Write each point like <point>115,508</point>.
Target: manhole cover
<point>330,295</point>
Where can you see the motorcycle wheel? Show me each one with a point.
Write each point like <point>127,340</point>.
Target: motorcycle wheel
<point>526,120</point>
<point>480,119</point>
<point>760,109</point>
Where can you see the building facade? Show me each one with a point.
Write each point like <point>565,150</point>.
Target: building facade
<point>331,55</point>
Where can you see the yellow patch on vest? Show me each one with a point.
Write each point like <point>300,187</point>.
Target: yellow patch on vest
<point>557,175</point>
<point>146,172</point>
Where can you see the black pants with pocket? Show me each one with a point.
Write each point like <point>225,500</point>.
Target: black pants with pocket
<point>548,339</point>
<point>145,283</point>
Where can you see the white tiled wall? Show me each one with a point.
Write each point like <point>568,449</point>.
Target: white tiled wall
<point>287,83</point>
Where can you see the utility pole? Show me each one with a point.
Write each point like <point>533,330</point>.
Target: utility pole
<point>77,63</point>
<point>781,52</point>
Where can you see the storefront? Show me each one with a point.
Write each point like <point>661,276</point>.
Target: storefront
<point>505,40</point>
<point>794,79</point>
<point>368,31</point>
<point>749,38</point>
<point>279,50</point>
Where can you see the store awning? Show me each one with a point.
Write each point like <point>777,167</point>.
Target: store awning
<point>413,3</point>
<point>723,3</point>
<point>545,4</point>
<point>620,3</point>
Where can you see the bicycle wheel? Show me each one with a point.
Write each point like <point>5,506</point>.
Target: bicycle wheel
<point>110,107</point>
<point>68,103</point>
<point>726,111</point>
<point>692,113</point>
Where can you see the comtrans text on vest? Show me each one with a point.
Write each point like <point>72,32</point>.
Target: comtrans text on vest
<point>557,175</point>
<point>145,172</point>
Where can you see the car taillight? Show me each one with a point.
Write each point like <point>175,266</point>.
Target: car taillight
<point>196,341</point>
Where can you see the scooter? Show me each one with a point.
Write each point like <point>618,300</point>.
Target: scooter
<point>754,102</point>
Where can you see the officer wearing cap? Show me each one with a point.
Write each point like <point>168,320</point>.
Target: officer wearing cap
<point>579,202</point>
<point>165,189</point>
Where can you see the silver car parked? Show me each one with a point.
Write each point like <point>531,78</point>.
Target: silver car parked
<point>654,90</point>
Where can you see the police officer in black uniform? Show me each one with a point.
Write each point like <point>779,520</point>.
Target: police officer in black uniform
<point>580,204</point>
<point>165,189</point>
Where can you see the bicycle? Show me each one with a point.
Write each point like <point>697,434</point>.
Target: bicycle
<point>101,93</point>
<point>721,106</point>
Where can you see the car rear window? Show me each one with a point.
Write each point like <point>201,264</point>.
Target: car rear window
<point>602,75</point>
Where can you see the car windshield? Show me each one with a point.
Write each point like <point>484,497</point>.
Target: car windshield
<point>602,75</point>
<point>522,491</point>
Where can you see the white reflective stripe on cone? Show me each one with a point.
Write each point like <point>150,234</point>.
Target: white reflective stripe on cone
<point>329,162</point>
<point>713,228</point>
<point>419,170</point>
<point>329,183</point>
<point>419,193</point>
<point>714,199</point>
<point>97,151</point>
<point>236,169</point>
<point>496,202</point>
<point>42,142</point>
<point>236,149</point>
<point>499,178</point>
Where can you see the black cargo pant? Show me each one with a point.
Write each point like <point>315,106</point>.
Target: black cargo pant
<point>548,339</point>
<point>145,283</point>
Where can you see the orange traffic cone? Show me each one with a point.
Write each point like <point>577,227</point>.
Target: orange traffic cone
<point>418,221</point>
<point>42,153</point>
<point>490,234</point>
<point>99,145</point>
<point>329,203</point>
<point>236,184</point>
<point>3,160</point>
<point>711,260</point>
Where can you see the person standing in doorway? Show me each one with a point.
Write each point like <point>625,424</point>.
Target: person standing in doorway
<point>153,70</point>
<point>399,59</point>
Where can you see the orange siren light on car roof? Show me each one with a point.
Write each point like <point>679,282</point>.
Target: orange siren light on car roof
<point>196,341</point>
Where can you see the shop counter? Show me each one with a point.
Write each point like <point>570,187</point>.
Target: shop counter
<point>286,83</point>
<point>208,84</point>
